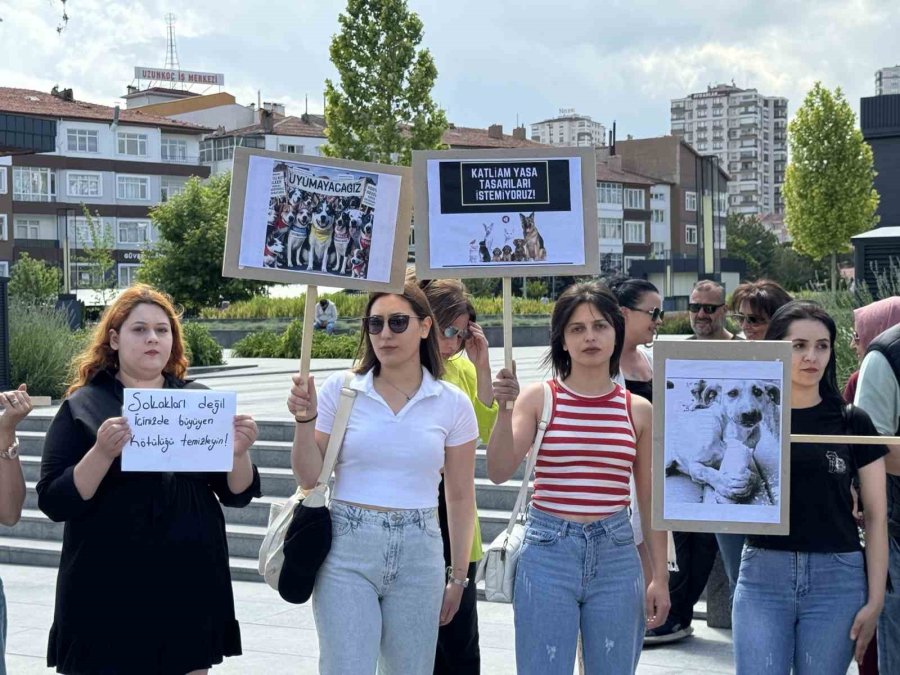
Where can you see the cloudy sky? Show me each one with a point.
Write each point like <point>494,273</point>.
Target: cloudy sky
<point>499,61</point>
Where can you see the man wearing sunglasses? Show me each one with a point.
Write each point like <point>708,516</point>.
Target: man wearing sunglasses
<point>695,552</point>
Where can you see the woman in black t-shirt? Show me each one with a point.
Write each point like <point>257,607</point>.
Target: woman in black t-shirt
<point>806,600</point>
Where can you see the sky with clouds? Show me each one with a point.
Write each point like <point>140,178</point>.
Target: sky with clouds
<point>499,61</point>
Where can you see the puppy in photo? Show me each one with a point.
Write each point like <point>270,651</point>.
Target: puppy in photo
<point>534,242</point>
<point>497,255</point>
<point>506,256</point>
<point>483,251</point>
<point>272,251</point>
<point>519,254</point>
<point>359,263</point>
<point>321,237</point>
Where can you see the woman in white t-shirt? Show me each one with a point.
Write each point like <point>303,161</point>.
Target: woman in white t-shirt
<point>383,590</point>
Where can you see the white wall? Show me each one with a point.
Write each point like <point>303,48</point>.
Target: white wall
<point>231,116</point>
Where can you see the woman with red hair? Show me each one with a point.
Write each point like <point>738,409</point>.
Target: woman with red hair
<point>144,584</point>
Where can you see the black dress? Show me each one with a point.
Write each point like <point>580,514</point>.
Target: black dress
<point>144,584</point>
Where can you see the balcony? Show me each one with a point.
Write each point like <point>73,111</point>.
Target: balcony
<point>180,159</point>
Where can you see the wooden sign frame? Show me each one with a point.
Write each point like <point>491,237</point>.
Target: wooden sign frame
<point>588,190</point>
<point>231,266</point>
<point>697,433</point>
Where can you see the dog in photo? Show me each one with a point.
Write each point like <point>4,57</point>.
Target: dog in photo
<point>342,242</point>
<point>534,242</point>
<point>297,236</point>
<point>321,237</point>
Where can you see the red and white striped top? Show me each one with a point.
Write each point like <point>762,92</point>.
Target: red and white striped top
<point>585,460</point>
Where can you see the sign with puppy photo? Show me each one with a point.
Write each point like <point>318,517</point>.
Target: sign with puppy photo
<point>722,436</point>
<point>317,221</point>
<point>504,213</point>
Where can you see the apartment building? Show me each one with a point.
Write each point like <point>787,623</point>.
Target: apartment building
<point>571,129</point>
<point>747,131</point>
<point>623,216</point>
<point>117,163</point>
<point>887,81</point>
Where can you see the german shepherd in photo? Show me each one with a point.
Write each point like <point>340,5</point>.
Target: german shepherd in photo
<point>534,242</point>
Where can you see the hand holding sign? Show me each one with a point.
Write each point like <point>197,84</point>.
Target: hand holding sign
<point>245,431</point>
<point>302,402</point>
<point>112,436</point>
<point>506,387</point>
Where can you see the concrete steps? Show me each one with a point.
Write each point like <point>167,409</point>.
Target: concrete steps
<point>36,540</point>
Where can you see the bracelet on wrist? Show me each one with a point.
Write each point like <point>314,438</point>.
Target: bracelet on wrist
<point>453,580</point>
<point>309,419</point>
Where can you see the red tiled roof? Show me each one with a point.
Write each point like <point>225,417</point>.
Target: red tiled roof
<point>605,173</point>
<point>283,126</point>
<point>468,137</point>
<point>30,102</point>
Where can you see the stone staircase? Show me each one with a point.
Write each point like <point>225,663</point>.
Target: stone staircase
<point>36,540</point>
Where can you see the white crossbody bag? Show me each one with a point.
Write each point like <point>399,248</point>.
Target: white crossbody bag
<point>498,566</point>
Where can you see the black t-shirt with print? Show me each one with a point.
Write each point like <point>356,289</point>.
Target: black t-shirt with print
<point>821,503</point>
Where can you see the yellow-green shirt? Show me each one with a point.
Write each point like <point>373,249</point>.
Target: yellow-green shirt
<point>460,371</point>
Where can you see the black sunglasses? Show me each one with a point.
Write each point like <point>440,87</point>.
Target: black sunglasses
<point>453,331</point>
<point>398,323</point>
<point>695,307</point>
<point>750,319</point>
<point>656,314</point>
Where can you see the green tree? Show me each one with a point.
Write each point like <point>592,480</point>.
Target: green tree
<point>749,240</point>
<point>796,271</point>
<point>33,282</point>
<point>828,193</point>
<point>97,254</point>
<point>186,261</point>
<point>383,108</point>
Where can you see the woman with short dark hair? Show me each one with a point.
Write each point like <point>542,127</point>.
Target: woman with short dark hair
<point>579,567</point>
<point>754,303</point>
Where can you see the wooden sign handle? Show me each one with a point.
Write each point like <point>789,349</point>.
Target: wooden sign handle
<point>852,440</point>
<point>306,339</point>
<point>507,329</point>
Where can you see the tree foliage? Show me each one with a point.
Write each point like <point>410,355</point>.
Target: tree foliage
<point>33,282</point>
<point>97,254</point>
<point>749,240</point>
<point>186,261</point>
<point>828,192</point>
<point>382,109</point>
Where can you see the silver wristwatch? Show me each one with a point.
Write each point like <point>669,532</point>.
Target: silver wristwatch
<point>453,580</point>
<point>13,451</point>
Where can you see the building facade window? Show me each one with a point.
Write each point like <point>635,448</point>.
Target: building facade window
<point>132,144</point>
<point>34,185</point>
<point>27,228</point>
<point>85,275</point>
<point>3,180</point>
<point>169,187</point>
<point>690,201</point>
<point>82,140</point>
<point>659,215</point>
<point>610,262</point>
<point>609,193</point>
<point>4,268</point>
<point>634,232</point>
<point>133,232</point>
<point>611,228</point>
<point>173,150</point>
<point>634,199</point>
<point>127,274</point>
<point>690,234</point>
<point>657,249</point>
<point>291,148</point>
<point>4,229</point>
<point>84,184</point>
<point>136,188</point>
<point>658,195</point>
<point>83,234</point>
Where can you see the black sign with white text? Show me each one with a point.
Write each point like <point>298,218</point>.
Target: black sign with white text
<point>483,186</point>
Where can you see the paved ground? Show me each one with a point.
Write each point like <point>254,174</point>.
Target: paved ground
<point>280,639</point>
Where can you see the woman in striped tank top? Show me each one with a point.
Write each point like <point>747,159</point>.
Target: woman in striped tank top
<point>579,567</point>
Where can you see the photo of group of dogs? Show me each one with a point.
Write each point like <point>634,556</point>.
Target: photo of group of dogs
<point>318,233</point>
<point>527,248</point>
<point>723,441</point>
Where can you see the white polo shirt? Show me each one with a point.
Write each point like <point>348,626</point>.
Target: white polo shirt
<point>395,461</point>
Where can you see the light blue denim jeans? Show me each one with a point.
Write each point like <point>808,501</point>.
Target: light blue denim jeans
<point>730,548</point>
<point>889,622</point>
<point>573,576</point>
<point>795,610</point>
<point>377,599</point>
<point>2,630</point>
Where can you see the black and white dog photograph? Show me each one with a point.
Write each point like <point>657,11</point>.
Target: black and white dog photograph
<point>723,443</point>
<point>320,221</point>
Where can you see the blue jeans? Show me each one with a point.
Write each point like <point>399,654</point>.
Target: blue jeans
<point>795,610</point>
<point>573,576</point>
<point>377,599</point>
<point>889,623</point>
<point>328,327</point>
<point>2,630</point>
<point>730,547</point>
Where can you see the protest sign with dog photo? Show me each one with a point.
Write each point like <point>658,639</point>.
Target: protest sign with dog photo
<point>502,213</point>
<point>318,221</point>
<point>722,436</point>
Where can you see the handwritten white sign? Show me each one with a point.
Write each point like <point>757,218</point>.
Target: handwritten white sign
<point>179,430</point>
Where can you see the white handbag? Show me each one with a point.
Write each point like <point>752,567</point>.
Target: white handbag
<point>498,566</point>
<point>271,552</point>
